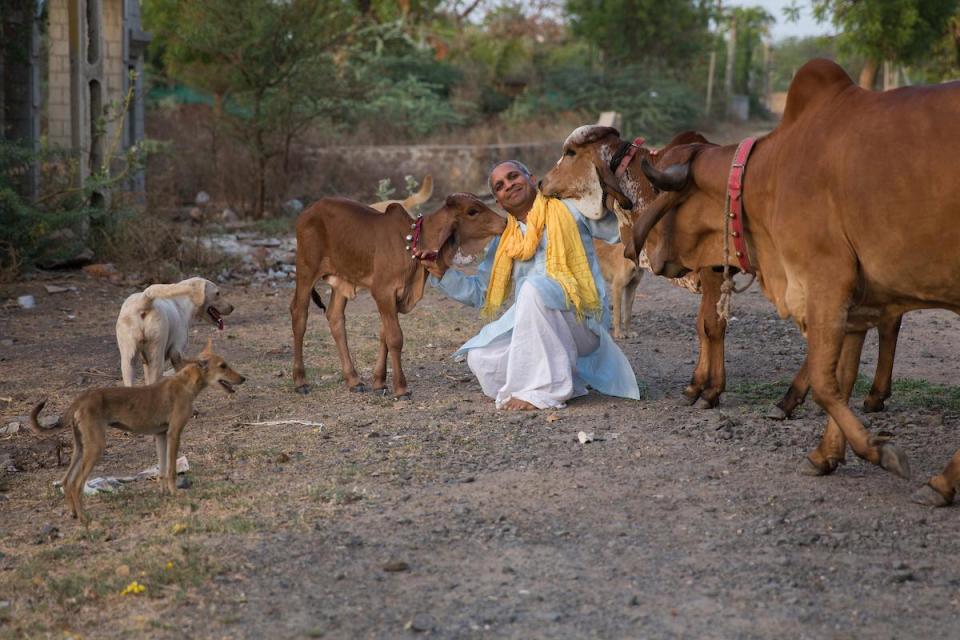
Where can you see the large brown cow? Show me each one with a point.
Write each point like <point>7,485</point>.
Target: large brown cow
<point>595,162</point>
<point>851,207</point>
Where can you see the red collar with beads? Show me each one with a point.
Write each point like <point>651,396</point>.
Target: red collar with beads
<point>735,202</point>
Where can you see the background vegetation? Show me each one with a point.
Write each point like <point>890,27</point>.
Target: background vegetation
<point>242,89</point>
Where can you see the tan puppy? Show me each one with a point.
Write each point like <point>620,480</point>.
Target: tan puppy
<point>161,409</point>
<point>413,201</point>
<point>153,326</point>
<point>623,276</point>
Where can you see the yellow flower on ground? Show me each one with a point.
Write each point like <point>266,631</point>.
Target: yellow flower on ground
<point>133,587</point>
<point>179,528</point>
<point>169,565</point>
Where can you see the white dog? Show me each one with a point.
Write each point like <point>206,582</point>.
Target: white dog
<point>153,326</point>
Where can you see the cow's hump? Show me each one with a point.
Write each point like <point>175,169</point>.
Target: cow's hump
<point>817,81</point>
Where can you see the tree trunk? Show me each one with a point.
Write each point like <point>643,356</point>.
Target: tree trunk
<point>955,32</point>
<point>261,186</point>
<point>868,75</point>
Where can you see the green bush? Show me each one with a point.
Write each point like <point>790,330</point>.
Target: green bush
<point>652,105</point>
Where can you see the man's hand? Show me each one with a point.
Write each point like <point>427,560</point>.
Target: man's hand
<point>430,265</point>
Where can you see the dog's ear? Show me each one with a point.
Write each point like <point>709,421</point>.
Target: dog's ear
<point>208,350</point>
<point>198,291</point>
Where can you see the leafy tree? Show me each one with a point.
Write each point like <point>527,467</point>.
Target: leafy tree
<point>264,61</point>
<point>902,31</point>
<point>672,33</point>
<point>753,25</point>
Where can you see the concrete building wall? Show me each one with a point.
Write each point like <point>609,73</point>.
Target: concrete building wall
<point>57,99</point>
<point>72,69</point>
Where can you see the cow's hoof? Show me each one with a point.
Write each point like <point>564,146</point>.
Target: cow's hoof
<point>686,401</point>
<point>808,468</point>
<point>930,497</point>
<point>303,389</point>
<point>404,397</point>
<point>383,392</point>
<point>894,460</point>
<point>703,403</point>
<point>873,405</point>
<point>358,388</point>
<point>776,413</point>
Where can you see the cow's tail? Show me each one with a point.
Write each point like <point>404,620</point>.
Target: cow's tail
<point>45,431</point>
<point>317,300</point>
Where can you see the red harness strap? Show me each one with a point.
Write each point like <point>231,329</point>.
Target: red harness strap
<point>735,202</point>
<point>628,156</point>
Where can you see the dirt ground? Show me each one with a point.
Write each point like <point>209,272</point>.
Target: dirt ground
<point>442,516</point>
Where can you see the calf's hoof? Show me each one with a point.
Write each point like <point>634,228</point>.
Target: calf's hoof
<point>873,405</point>
<point>303,389</point>
<point>358,388</point>
<point>894,460</point>
<point>776,413</point>
<point>404,397</point>
<point>929,497</point>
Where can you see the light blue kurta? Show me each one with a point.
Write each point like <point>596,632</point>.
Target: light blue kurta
<point>606,369</point>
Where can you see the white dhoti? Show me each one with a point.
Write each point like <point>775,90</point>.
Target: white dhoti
<point>536,362</point>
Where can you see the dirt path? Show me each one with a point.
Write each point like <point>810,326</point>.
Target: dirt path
<point>674,523</point>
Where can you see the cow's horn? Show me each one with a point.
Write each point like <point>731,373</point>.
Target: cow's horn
<point>673,178</point>
<point>651,215</point>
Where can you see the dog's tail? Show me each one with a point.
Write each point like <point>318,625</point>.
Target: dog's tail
<point>421,196</point>
<point>41,431</point>
<point>317,300</point>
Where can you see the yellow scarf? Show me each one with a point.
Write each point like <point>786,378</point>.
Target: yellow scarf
<point>566,258</point>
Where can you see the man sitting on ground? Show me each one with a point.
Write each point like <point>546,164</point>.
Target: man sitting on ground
<point>553,340</point>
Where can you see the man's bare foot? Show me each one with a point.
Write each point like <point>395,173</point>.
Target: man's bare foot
<point>514,404</point>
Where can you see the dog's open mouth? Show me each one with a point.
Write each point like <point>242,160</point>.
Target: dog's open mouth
<point>217,318</point>
<point>226,385</point>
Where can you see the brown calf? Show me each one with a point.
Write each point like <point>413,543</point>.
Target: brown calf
<point>350,245</point>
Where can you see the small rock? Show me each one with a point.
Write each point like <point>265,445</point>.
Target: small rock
<point>102,270</point>
<point>420,623</point>
<point>902,576</point>
<point>27,302</point>
<point>7,342</point>
<point>396,566</point>
<point>585,437</point>
<point>202,198</point>
<point>11,427</point>
<point>52,288</point>
<point>48,533</point>
<point>229,215</point>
